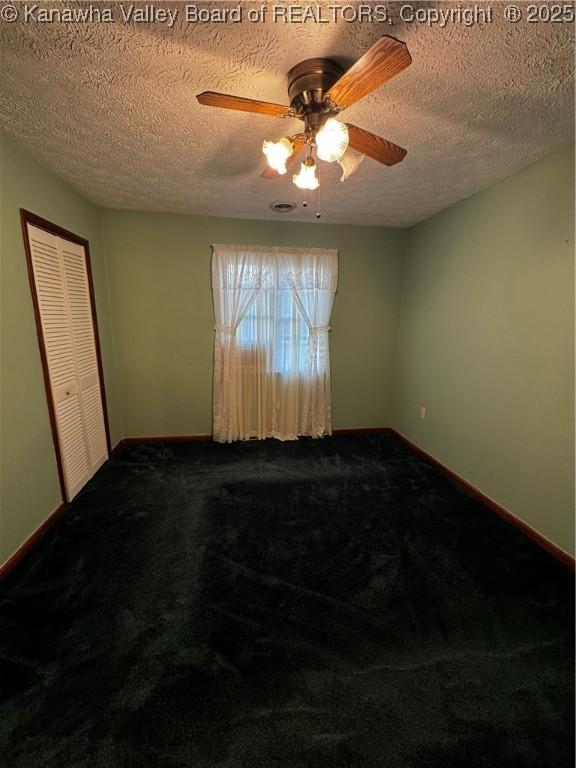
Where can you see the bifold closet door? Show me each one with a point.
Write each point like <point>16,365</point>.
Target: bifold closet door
<point>65,311</point>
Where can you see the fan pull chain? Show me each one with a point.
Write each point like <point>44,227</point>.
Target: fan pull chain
<point>305,203</point>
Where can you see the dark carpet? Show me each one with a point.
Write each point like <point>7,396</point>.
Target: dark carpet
<point>319,604</point>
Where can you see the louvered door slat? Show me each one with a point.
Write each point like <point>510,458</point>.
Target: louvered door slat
<point>74,453</point>
<point>78,294</point>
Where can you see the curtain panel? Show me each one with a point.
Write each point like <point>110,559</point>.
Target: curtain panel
<point>271,353</point>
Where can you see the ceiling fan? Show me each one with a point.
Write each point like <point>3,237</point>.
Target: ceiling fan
<point>318,90</point>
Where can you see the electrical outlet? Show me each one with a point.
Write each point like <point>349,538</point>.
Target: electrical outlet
<point>422,411</point>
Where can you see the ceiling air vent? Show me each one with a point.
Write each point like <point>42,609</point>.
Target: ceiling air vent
<point>280,207</point>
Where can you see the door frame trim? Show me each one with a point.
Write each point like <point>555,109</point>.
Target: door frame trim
<point>27,217</point>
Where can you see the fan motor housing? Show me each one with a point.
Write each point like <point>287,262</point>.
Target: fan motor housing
<point>308,83</point>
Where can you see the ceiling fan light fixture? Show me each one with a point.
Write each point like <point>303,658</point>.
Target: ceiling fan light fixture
<point>277,152</point>
<point>318,90</point>
<point>306,178</point>
<point>332,140</point>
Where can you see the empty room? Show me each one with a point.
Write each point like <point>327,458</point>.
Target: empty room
<point>287,384</point>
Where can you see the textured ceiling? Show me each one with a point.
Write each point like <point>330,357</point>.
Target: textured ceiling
<point>110,107</point>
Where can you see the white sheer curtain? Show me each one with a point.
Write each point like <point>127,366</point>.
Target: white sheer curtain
<point>271,353</point>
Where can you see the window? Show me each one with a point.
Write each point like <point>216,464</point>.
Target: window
<point>287,328</point>
<point>271,357</point>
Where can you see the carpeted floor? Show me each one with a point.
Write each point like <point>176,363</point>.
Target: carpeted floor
<point>320,604</point>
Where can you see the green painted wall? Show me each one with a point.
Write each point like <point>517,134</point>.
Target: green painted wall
<point>29,488</point>
<point>486,343</point>
<point>161,304</point>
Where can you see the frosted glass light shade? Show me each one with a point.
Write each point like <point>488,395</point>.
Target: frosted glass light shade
<point>306,178</point>
<point>331,140</point>
<point>277,152</point>
<point>350,162</point>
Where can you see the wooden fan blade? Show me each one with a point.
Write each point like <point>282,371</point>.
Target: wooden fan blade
<point>374,146</point>
<point>270,173</point>
<point>386,58</point>
<point>212,99</point>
